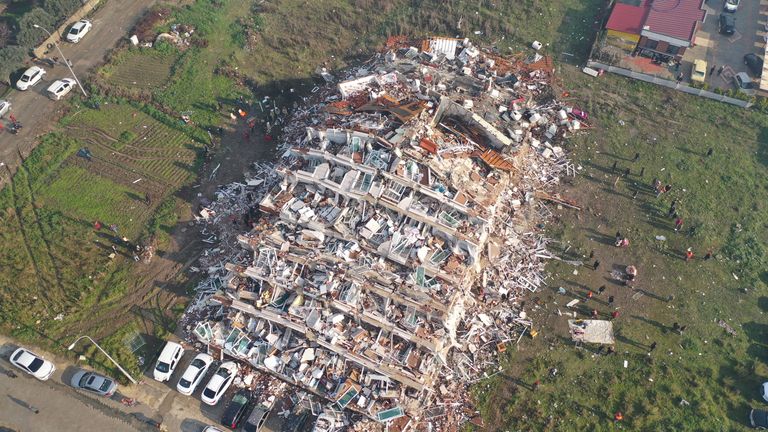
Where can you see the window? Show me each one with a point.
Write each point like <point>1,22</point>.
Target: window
<point>673,49</point>
<point>651,44</point>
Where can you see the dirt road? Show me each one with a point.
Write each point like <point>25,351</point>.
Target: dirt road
<point>34,110</point>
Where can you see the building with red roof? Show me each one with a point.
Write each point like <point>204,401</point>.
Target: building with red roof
<point>663,28</point>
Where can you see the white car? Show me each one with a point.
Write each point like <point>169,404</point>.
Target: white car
<point>194,374</point>
<point>60,88</point>
<point>78,30</point>
<point>167,361</point>
<point>5,106</point>
<point>32,364</point>
<point>765,391</point>
<point>219,383</point>
<point>30,77</point>
<point>731,5</point>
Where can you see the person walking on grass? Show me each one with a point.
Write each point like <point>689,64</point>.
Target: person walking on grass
<point>678,223</point>
<point>618,416</point>
<point>596,265</point>
<point>688,255</point>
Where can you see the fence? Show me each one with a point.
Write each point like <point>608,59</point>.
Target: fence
<point>669,84</point>
<point>43,48</point>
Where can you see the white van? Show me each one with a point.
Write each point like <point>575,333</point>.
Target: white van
<point>168,360</point>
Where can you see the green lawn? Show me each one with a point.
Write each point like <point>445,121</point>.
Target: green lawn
<point>722,201</point>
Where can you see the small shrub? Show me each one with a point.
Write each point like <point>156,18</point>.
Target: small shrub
<point>127,136</point>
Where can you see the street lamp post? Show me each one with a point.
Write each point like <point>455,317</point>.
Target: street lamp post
<point>66,62</point>
<point>105,353</point>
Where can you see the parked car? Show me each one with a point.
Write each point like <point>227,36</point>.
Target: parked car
<point>731,5</point>
<point>219,383</point>
<point>236,409</point>
<point>212,429</point>
<point>30,77</point>
<point>94,382</point>
<point>727,24</point>
<point>167,362</point>
<point>256,419</point>
<point>758,419</point>
<point>699,70</point>
<point>5,106</point>
<point>743,81</point>
<point>194,374</point>
<point>78,30</point>
<point>754,64</point>
<point>765,391</point>
<point>32,364</point>
<point>60,88</point>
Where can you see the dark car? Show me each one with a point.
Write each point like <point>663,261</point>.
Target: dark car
<point>727,24</point>
<point>256,419</point>
<point>236,408</point>
<point>758,419</point>
<point>754,64</point>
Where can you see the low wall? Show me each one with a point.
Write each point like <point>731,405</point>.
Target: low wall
<point>669,84</point>
<point>87,7</point>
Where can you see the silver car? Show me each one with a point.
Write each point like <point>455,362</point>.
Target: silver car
<point>5,106</point>
<point>94,382</point>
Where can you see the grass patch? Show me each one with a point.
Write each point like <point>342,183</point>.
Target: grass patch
<point>721,200</point>
<point>141,69</point>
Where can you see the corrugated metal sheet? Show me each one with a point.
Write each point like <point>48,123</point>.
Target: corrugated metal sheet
<point>446,46</point>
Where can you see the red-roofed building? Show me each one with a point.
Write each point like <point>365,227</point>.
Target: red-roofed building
<point>658,27</point>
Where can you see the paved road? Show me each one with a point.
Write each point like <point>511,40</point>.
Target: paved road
<point>57,410</point>
<point>74,410</point>
<point>33,109</point>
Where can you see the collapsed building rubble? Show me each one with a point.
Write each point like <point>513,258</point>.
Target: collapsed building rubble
<point>389,250</point>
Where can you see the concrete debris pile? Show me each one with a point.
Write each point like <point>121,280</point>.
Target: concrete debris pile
<point>389,250</point>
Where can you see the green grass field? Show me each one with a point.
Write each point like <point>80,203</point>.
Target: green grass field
<point>722,201</point>
<point>60,266</point>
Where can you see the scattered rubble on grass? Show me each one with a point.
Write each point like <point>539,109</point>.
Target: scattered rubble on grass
<point>387,254</point>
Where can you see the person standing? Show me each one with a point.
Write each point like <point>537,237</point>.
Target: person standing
<point>618,416</point>
<point>688,255</point>
<point>596,265</point>
<point>712,69</point>
<point>678,223</point>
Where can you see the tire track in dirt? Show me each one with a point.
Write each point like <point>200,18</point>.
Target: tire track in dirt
<point>155,287</point>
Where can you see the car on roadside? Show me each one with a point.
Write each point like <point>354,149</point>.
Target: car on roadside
<point>30,77</point>
<point>743,81</point>
<point>731,5</point>
<point>764,392</point>
<point>78,30</point>
<point>758,419</point>
<point>219,383</point>
<point>94,382</point>
<point>699,70</point>
<point>32,364</point>
<point>5,106</point>
<point>167,361</point>
<point>212,429</point>
<point>727,24</point>
<point>236,409</point>
<point>754,64</point>
<point>60,88</point>
<point>256,419</point>
<point>194,374</point>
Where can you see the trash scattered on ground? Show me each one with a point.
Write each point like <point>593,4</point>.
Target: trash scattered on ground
<point>380,266</point>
